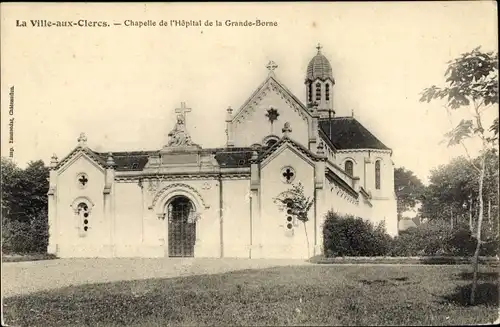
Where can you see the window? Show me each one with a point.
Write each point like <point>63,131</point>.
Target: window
<point>83,213</point>
<point>271,142</point>
<point>377,174</point>
<point>348,167</point>
<point>318,91</point>
<point>309,93</point>
<point>327,92</point>
<point>289,213</point>
<point>288,174</point>
<point>82,180</point>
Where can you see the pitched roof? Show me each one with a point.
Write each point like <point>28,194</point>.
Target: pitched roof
<point>348,133</point>
<point>85,150</point>
<point>126,161</point>
<point>269,150</point>
<point>136,160</point>
<point>233,157</point>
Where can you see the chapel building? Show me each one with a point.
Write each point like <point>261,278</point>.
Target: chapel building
<point>184,200</point>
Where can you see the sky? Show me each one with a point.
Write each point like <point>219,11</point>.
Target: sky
<point>120,84</point>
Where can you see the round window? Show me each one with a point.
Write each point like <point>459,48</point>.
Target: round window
<point>287,174</point>
<point>82,180</point>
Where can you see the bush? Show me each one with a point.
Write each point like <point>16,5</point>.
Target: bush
<point>353,236</point>
<point>437,238</point>
<point>25,236</point>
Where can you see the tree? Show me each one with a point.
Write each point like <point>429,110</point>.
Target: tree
<point>295,200</point>
<point>408,189</point>
<point>472,83</point>
<point>24,204</point>
<point>451,187</point>
<point>453,190</point>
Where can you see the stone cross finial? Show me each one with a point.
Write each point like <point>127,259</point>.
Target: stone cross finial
<point>321,149</point>
<point>110,162</point>
<point>319,47</point>
<point>271,66</point>
<point>183,110</point>
<point>286,129</point>
<point>53,160</point>
<point>82,139</point>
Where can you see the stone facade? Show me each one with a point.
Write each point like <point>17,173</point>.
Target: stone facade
<point>186,200</point>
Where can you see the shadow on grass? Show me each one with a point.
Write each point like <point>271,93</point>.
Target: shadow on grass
<point>486,294</point>
<point>484,276</point>
<point>374,281</point>
<point>27,257</point>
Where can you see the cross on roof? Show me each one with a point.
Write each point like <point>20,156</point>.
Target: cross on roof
<point>183,110</point>
<point>82,139</point>
<point>319,47</point>
<point>271,66</point>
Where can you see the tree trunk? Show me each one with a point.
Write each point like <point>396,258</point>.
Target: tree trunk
<point>489,212</point>
<point>470,216</point>
<point>307,238</point>
<point>451,218</point>
<point>478,237</point>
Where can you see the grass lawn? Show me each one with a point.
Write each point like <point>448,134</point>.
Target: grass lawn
<point>303,295</point>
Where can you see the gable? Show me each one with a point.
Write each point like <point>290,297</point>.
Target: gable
<point>348,133</point>
<point>288,150</point>
<point>78,152</point>
<point>251,125</point>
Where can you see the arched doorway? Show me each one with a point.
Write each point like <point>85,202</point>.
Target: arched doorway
<point>181,215</point>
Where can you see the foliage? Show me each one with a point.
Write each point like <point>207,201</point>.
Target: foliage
<point>453,186</point>
<point>25,237</point>
<point>472,82</point>
<point>471,77</point>
<point>408,189</point>
<point>434,238</point>
<point>24,191</point>
<point>346,235</point>
<point>300,204</point>
<point>24,207</point>
<point>295,200</point>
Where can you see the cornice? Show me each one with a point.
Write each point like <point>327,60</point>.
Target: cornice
<point>174,177</point>
<point>364,150</point>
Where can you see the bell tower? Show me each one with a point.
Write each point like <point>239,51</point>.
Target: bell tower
<point>319,85</point>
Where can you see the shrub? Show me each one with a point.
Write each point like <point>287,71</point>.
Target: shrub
<point>434,238</point>
<point>25,236</point>
<point>353,236</point>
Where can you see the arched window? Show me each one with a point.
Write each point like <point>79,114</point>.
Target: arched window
<point>377,174</point>
<point>309,92</point>
<point>327,92</point>
<point>271,142</point>
<point>318,91</point>
<point>83,213</point>
<point>349,167</point>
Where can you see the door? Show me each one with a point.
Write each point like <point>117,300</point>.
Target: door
<point>181,227</point>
